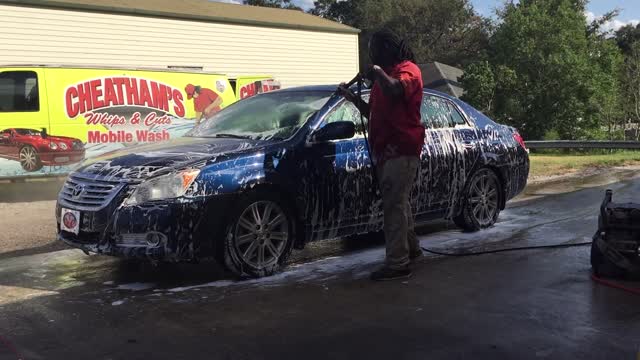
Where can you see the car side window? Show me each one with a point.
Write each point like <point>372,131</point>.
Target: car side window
<point>438,113</point>
<point>346,111</point>
<point>434,113</point>
<point>456,116</point>
<point>5,135</point>
<point>19,91</point>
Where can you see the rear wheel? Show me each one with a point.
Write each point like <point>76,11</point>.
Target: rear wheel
<point>481,202</point>
<point>29,159</point>
<point>259,240</point>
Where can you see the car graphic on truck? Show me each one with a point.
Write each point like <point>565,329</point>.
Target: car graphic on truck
<point>35,149</point>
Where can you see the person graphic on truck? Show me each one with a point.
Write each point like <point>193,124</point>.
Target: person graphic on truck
<point>205,101</point>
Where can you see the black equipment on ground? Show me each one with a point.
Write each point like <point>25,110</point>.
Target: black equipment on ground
<point>615,251</point>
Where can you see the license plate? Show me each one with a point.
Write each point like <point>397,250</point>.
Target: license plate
<point>62,159</point>
<point>70,220</point>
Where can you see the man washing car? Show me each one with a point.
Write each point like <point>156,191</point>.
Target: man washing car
<point>396,136</point>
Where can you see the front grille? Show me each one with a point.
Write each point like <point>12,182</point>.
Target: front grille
<point>88,192</point>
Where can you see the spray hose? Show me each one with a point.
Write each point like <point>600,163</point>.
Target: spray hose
<point>374,171</point>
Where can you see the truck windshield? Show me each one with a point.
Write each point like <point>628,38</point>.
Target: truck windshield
<point>276,115</point>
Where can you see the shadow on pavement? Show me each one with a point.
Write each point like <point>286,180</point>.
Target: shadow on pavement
<point>54,246</point>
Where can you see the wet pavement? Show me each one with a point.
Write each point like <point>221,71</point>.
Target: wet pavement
<point>521,305</point>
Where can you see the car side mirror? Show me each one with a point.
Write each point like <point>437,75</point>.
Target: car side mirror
<point>334,131</point>
<point>43,133</point>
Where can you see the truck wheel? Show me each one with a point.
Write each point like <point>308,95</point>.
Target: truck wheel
<point>480,202</point>
<point>29,159</point>
<point>260,237</point>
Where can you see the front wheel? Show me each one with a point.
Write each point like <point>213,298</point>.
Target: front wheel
<point>480,202</point>
<point>259,239</point>
<point>29,159</point>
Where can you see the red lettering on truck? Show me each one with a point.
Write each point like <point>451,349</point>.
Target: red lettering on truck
<point>97,94</point>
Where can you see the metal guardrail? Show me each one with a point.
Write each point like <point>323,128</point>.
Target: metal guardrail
<point>584,144</point>
<point>32,178</point>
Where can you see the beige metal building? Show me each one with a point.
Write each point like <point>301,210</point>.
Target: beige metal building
<point>296,48</point>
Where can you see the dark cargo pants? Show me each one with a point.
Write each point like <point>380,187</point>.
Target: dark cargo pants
<point>396,177</point>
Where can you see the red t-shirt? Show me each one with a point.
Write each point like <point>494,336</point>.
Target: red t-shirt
<point>205,98</point>
<point>395,128</point>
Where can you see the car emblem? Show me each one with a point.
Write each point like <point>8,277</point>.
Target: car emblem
<point>70,220</point>
<point>77,190</point>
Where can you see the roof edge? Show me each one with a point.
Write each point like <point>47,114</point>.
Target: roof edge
<point>115,67</point>
<point>111,9</point>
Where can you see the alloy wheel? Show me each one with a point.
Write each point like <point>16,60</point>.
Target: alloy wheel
<point>28,158</point>
<point>484,199</point>
<point>261,234</point>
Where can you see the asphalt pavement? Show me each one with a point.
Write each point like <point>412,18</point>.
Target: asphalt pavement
<point>27,218</point>
<point>538,304</point>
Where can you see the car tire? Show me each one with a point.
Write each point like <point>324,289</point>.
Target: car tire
<point>481,201</point>
<point>260,236</point>
<point>29,159</point>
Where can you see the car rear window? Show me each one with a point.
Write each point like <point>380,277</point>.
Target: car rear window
<point>439,113</point>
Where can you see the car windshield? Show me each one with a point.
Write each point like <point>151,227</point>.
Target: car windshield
<point>27,132</point>
<point>276,115</point>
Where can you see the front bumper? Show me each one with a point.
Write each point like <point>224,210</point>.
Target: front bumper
<point>53,157</point>
<point>184,229</point>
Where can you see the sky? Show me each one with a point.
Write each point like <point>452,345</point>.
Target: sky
<point>630,9</point>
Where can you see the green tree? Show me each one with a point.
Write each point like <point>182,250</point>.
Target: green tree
<point>448,31</point>
<point>626,36</point>
<point>480,85</point>
<point>607,101</point>
<point>631,83</point>
<point>282,4</point>
<point>340,11</point>
<point>551,70</point>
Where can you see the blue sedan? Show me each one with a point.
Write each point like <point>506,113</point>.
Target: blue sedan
<point>275,171</point>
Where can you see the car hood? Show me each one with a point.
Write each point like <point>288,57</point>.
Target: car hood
<point>142,161</point>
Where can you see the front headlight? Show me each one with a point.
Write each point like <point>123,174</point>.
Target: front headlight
<point>63,146</point>
<point>53,146</point>
<point>163,187</point>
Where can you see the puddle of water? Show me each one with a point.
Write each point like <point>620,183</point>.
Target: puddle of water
<point>136,286</point>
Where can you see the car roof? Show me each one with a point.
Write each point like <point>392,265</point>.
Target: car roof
<point>331,88</point>
<point>479,119</point>
<point>323,88</point>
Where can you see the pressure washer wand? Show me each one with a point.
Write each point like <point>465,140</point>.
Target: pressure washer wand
<point>374,171</point>
<point>355,79</point>
<point>359,79</point>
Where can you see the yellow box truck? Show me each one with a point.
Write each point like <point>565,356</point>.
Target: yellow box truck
<point>52,117</point>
